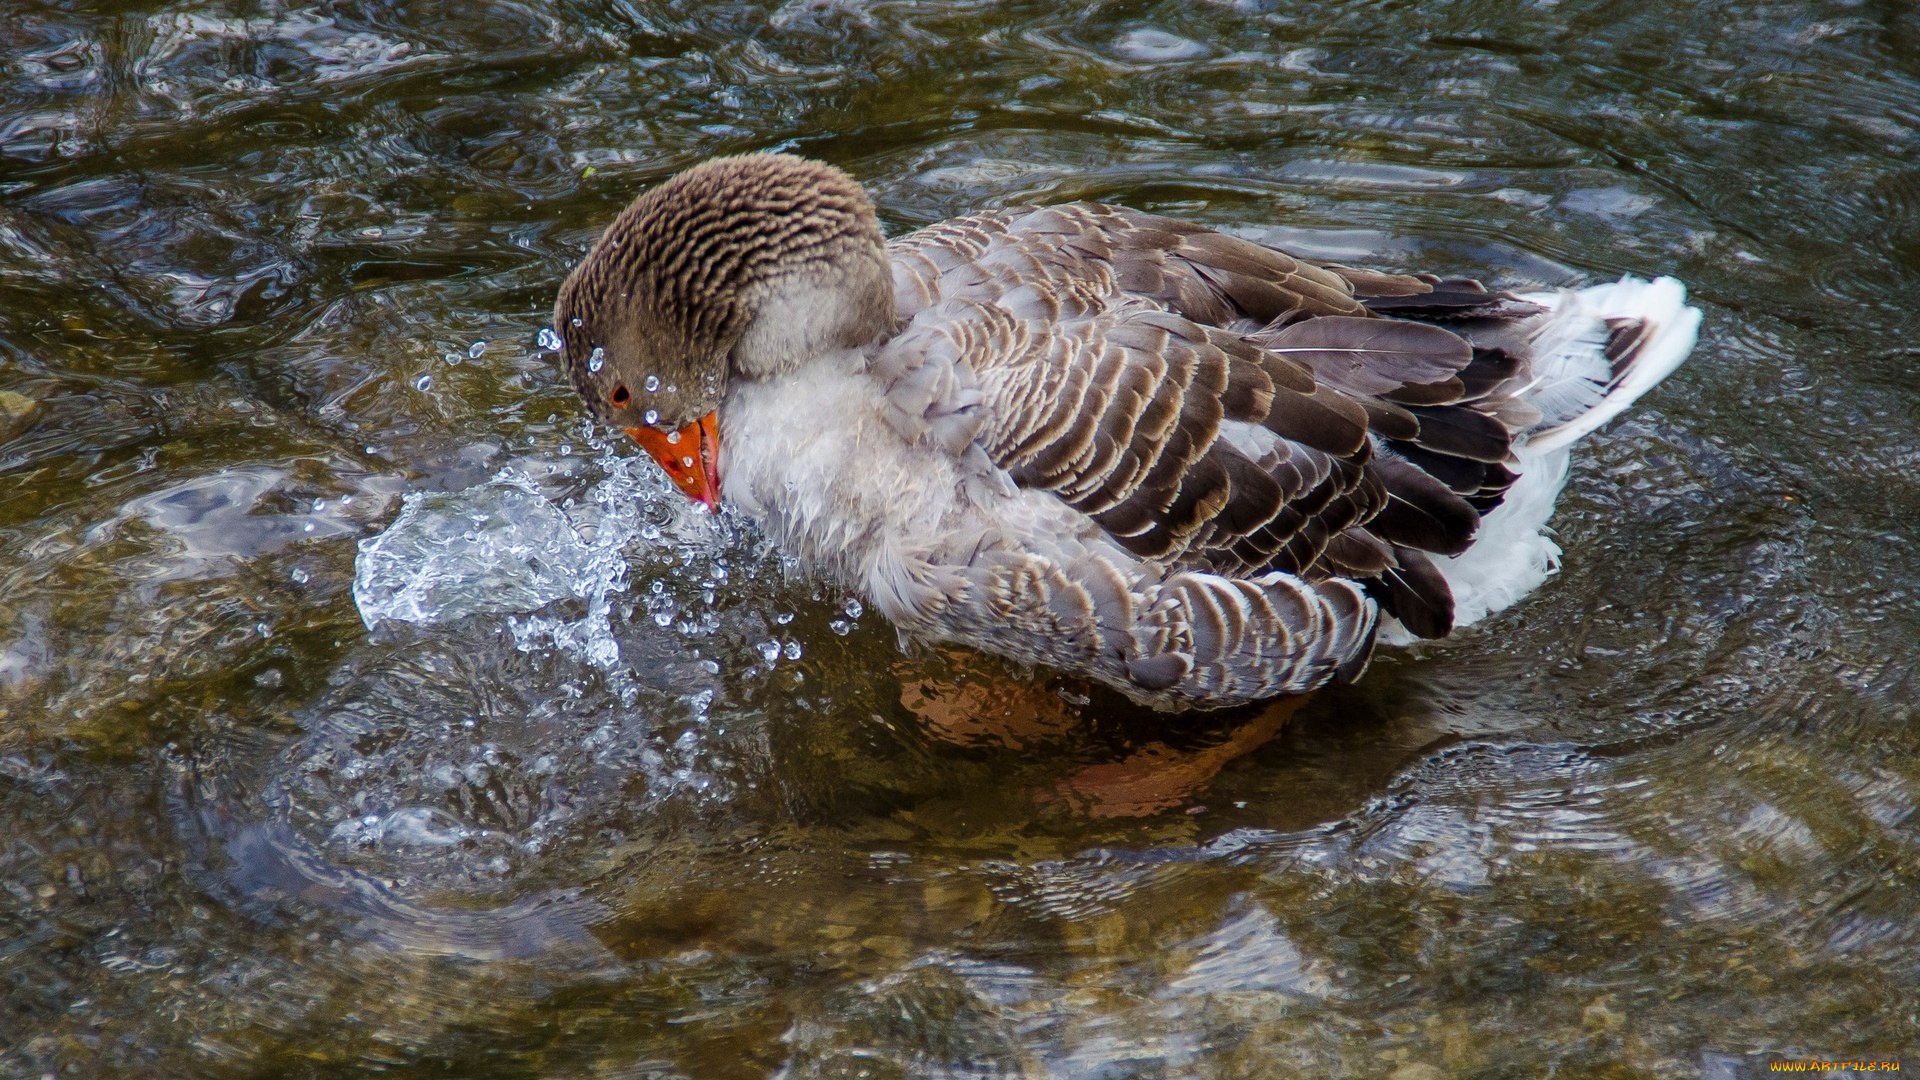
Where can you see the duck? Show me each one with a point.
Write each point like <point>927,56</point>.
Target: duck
<point>1181,463</point>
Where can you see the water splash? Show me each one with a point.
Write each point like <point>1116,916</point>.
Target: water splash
<point>455,763</point>
<point>506,547</point>
<point>497,547</point>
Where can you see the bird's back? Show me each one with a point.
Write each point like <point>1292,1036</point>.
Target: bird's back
<point>1218,405</point>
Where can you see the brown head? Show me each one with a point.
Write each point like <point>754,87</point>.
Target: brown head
<point>738,268</point>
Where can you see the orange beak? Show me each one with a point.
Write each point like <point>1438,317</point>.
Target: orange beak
<point>691,457</point>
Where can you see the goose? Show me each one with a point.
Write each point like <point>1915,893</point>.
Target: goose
<point>1189,466</point>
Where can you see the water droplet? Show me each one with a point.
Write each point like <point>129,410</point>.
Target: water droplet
<point>672,389</point>
<point>782,618</point>
<point>672,437</point>
<point>769,651</point>
<point>852,608</point>
<point>346,500</point>
<point>451,358</point>
<point>793,650</point>
<point>653,416</point>
<point>548,340</point>
<point>596,359</point>
<point>652,384</point>
<point>299,576</point>
<point>686,463</point>
<point>319,505</point>
<point>424,382</point>
<point>308,527</point>
<point>565,449</point>
<point>575,321</point>
<point>841,627</point>
<point>474,350</point>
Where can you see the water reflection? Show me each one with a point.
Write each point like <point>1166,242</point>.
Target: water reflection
<point>1656,821</point>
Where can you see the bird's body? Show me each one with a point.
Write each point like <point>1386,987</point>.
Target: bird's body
<point>1190,466</point>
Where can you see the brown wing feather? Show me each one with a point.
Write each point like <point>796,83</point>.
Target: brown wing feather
<point>1217,405</point>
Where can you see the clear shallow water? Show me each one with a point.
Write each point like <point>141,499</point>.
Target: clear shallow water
<point>1657,821</point>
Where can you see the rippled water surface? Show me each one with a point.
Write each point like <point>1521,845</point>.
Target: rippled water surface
<point>613,791</point>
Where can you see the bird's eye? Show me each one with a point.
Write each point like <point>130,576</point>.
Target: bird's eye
<point>620,395</point>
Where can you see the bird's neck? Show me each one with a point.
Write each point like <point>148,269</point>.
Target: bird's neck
<point>807,318</point>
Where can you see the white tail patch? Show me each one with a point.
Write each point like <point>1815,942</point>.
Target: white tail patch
<point>1573,386</point>
<point>1575,390</point>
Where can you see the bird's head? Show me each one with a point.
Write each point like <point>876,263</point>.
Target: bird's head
<point>738,268</point>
